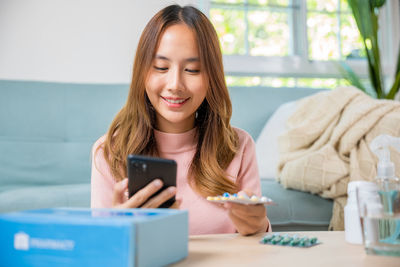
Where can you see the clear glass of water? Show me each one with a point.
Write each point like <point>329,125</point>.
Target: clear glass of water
<point>380,222</point>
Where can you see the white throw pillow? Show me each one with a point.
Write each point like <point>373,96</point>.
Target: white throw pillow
<point>267,150</point>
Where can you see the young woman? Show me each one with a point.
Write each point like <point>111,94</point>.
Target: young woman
<point>178,108</point>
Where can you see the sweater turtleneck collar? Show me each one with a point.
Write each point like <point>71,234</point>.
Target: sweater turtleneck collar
<point>176,142</point>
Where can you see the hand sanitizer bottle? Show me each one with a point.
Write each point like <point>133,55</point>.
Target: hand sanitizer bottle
<point>388,183</point>
<point>389,191</point>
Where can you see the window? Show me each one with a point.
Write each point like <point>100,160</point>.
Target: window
<point>294,42</point>
<point>332,31</point>
<point>253,27</point>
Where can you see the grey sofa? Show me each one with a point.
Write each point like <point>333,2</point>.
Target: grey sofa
<point>47,130</point>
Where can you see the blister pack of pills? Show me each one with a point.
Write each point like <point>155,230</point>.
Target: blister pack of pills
<point>241,199</point>
<point>290,240</point>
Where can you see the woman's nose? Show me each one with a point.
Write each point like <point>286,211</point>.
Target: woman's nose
<point>174,80</point>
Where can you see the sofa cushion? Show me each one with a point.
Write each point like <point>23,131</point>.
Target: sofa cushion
<point>58,112</point>
<point>47,130</point>
<point>31,163</point>
<point>296,210</point>
<point>267,142</point>
<point>38,197</point>
<point>252,106</point>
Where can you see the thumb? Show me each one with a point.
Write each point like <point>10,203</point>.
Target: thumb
<point>246,192</point>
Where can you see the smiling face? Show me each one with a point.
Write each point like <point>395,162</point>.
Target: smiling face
<point>176,85</point>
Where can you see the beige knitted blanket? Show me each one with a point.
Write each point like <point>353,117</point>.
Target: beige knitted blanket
<point>327,144</point>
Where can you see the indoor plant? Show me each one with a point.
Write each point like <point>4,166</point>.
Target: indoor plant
<point>366,14</point>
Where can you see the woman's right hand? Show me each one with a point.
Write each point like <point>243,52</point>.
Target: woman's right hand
<point>142,198</point>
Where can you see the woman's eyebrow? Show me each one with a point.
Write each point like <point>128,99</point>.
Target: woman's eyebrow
<point>190,59</point>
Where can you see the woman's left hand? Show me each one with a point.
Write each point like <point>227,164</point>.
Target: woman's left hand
<point>248,219</point>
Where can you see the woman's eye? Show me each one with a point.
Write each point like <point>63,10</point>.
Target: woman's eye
<point>160,69</point>
<point>192,71</point>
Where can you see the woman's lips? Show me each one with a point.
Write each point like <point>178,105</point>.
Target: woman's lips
<point>175,102</point>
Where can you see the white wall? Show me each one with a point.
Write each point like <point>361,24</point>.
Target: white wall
<point>90,41</point>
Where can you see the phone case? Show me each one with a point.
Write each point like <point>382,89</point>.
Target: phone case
<point>144,169</point>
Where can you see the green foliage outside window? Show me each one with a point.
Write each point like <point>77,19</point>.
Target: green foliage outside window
<point>264,28</point>
<point>230,27</point>
<point>256,28</point>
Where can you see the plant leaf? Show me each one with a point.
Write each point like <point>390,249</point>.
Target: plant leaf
<point>398,62</point>
<point>367,23</point>
<point>377,3</point>
<point>396,84</point>
<point>395,87</point>
<point>351,76</point>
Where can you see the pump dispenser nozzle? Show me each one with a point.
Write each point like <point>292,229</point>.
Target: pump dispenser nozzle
<point>380,146</point>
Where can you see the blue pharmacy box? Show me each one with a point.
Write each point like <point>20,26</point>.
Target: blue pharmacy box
<point>93,237</point>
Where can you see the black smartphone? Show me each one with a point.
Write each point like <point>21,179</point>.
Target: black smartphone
<point>144,169</point>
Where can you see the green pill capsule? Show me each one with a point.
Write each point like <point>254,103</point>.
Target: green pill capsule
<point>295,241</point>
<point>303,242</point>
<point>268,238</point>
<point>276,239</point>
<point>286,240</point>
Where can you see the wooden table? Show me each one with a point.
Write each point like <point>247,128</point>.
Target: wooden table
<point>236,250</point>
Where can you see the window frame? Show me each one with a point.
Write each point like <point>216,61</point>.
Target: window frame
<point>299,65</point>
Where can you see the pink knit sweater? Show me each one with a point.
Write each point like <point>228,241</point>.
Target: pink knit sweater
<point>204,217</point>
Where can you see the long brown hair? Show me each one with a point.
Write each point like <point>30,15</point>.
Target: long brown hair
<point>131,131</point>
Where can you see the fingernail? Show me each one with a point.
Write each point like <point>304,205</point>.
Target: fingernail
<point>157,182</point>
<point>125,182</point>
<point>172,189</point>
